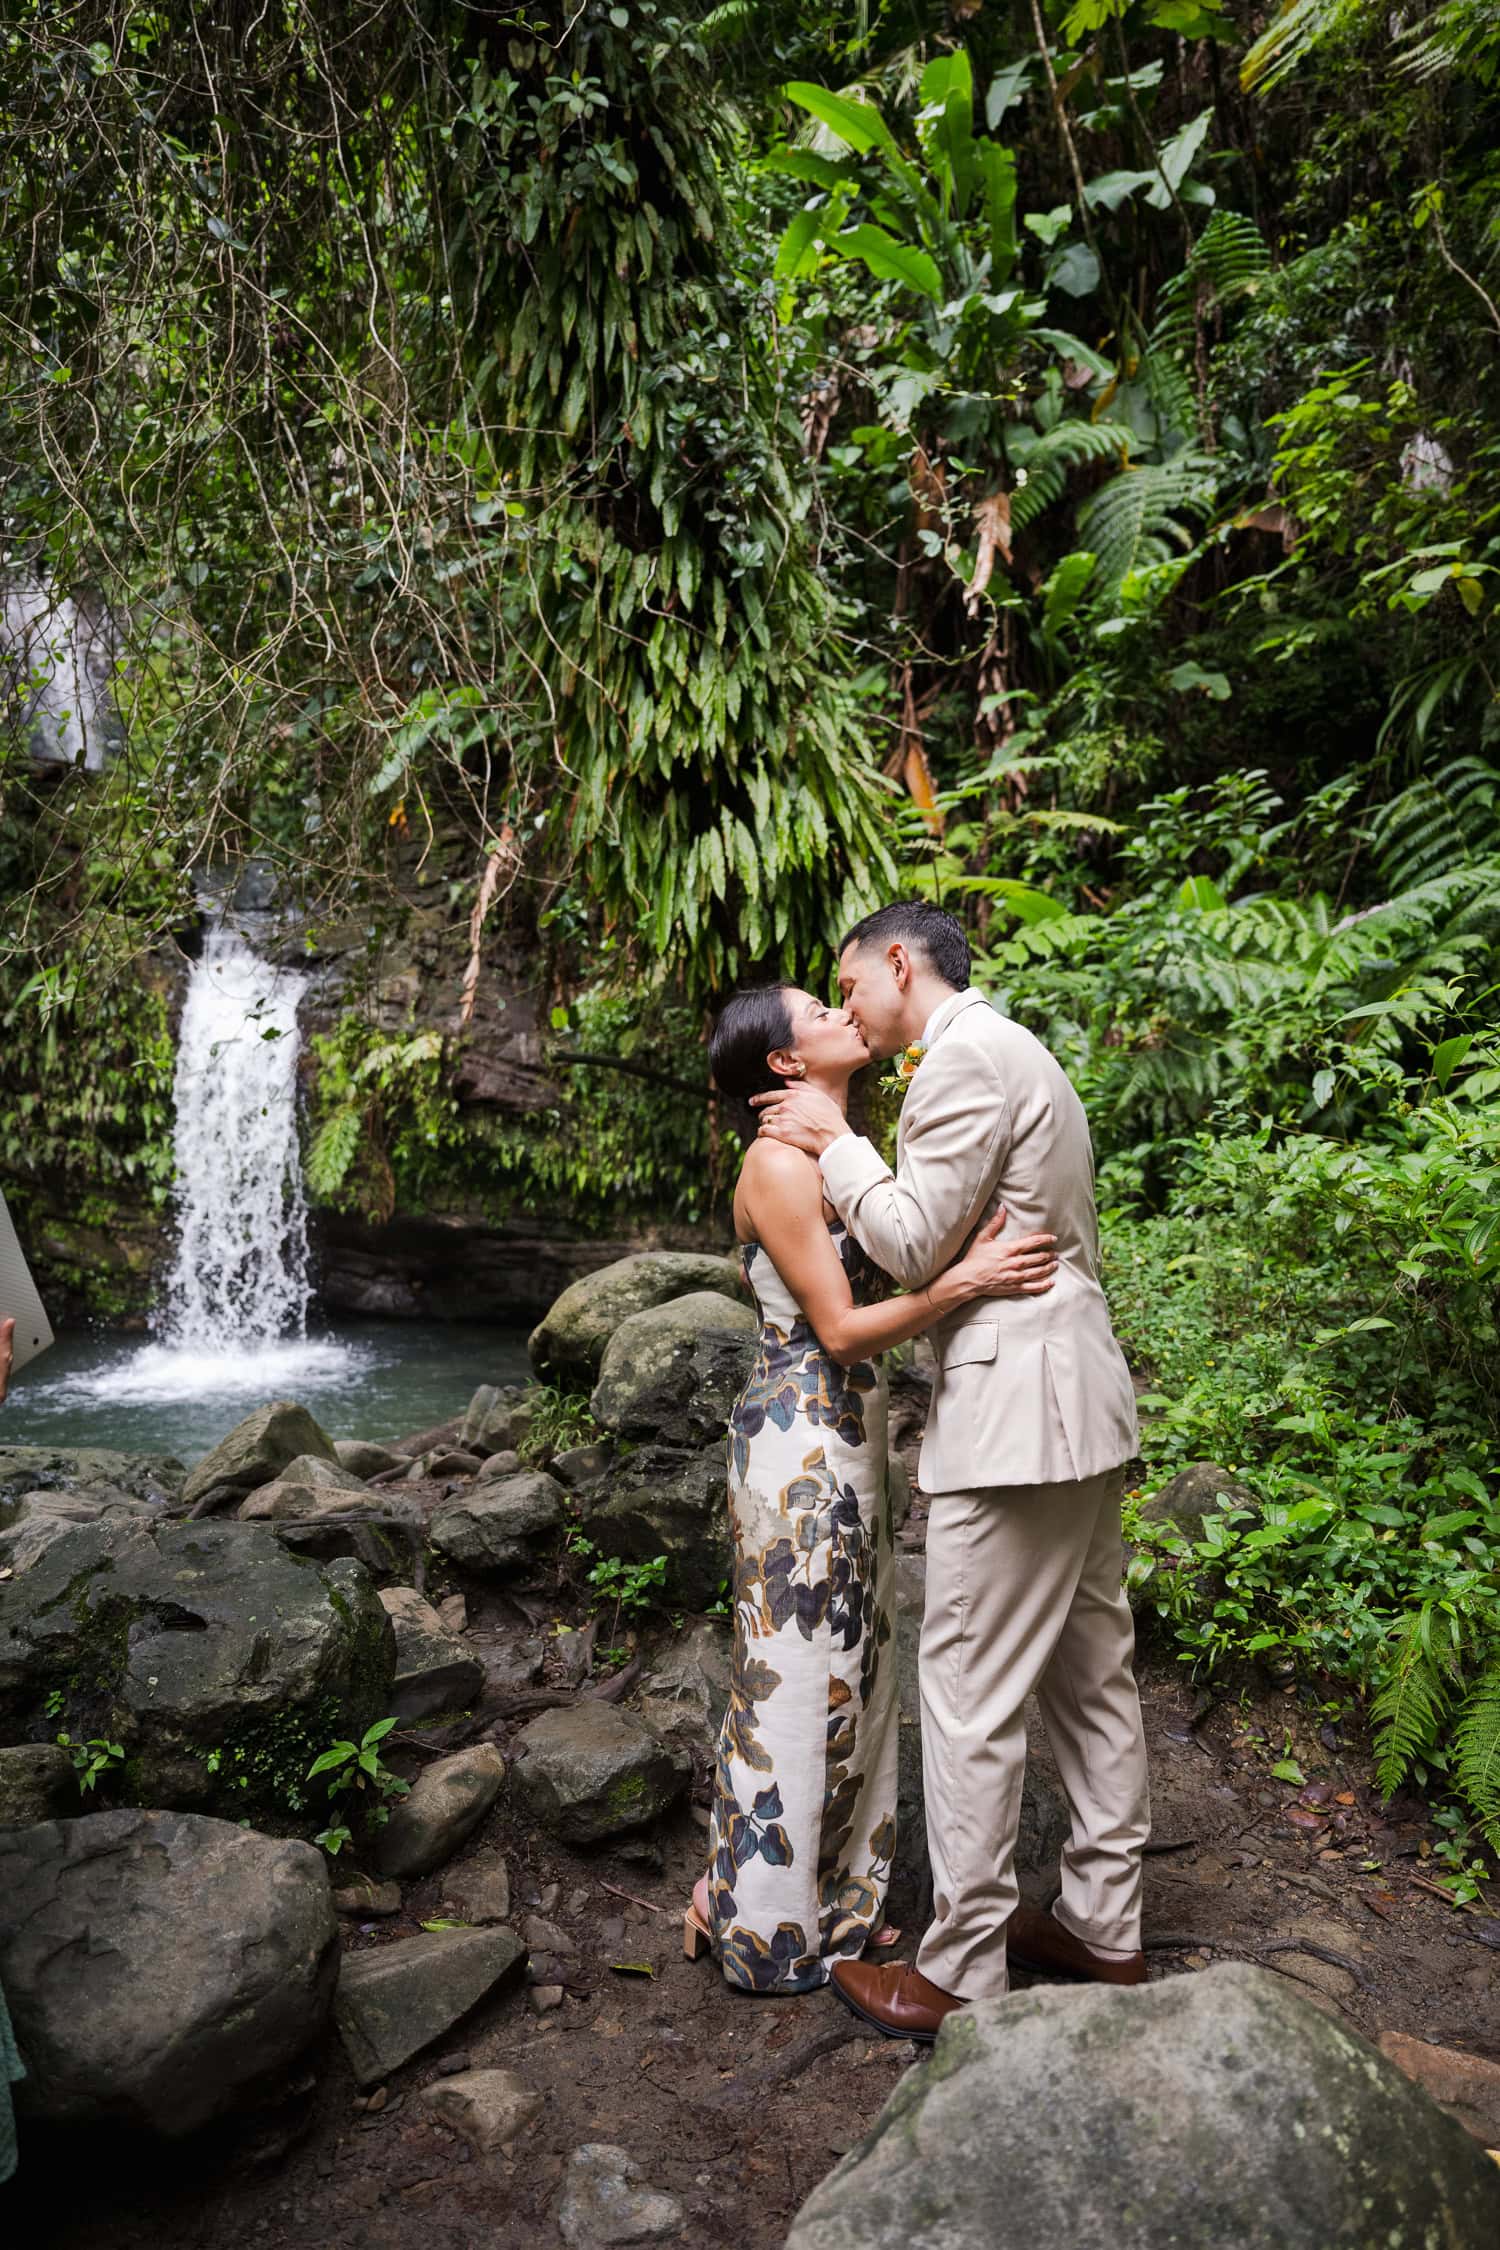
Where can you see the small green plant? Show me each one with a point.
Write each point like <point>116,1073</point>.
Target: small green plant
<point>358,1766</point>
<point>559,1421</point>
<point>93,1758</point>
<point>54,1703</point>
<point>1465,1872</point>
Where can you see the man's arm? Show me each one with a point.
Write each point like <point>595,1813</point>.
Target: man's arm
<point>957,1133</point>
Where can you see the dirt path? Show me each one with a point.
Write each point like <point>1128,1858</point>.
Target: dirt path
<point>738,2106</point>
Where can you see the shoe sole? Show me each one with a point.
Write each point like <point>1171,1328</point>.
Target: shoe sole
<point>886,2030</point>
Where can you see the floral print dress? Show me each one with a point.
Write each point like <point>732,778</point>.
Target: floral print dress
<point>803,1827</point>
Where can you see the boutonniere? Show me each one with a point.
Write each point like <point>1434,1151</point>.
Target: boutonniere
<point>904,1068</point>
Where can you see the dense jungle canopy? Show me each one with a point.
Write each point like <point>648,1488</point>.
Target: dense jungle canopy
<point>648,484</point>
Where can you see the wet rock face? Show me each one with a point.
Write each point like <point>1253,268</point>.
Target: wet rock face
<point>1218,2108</point>
<point>158,1966</point>
<point>568,1344</point>
<point>674,1372</point>
<point>591,1772</point>
<point>220,1661</point>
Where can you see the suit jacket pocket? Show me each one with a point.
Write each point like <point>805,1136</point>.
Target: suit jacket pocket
<point>971,1345</point>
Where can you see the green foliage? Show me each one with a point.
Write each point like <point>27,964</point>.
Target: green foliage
<point>613,1580</point>
<point>358,1766</point>
<point>93,1758</point>
<point>560,1420</point>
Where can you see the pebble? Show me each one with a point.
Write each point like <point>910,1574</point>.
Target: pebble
<point>548,1897</point>
<point>605,2201</point>
<point>449,2066</point>
<point>545,1937</point>
<point>544,1997</point>
<point>454,1612</point>
<point>365,1897</point>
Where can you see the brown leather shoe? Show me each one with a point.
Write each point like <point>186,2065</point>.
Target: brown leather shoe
<point>1037,1942</point>
<point>894,1997</point>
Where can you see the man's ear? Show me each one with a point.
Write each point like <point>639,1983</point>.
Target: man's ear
<point>900,961</point>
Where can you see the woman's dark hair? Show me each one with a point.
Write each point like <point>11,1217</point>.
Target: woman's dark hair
<point>750,1026</point>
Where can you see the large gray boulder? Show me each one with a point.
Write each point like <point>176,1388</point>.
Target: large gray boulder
<point>500,1523</point>
<point>362,1459</point>
<point>435,1671</point>
<point>29,1524</point>
<point>255,1451</point>
<point>1219,2108</point>
<point>590,1772</point>
<point>159,1966</point>
<point>396,2000</point>
<point>661,1500</point>
<point>446,1804</point>
<point>222,1663</point>
<point>568,1344</point>
<point>674,1372</point>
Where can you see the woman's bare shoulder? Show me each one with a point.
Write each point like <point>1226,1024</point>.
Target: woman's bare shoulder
<point>772,1168</point>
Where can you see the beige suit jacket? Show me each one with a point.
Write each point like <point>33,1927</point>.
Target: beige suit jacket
<point>1029,1390</point>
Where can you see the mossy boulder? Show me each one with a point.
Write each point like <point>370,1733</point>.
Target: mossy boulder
<point>221,1662</point>
<point>665,1500</point>
<point>1200,1491</point>
<point>255,1451</point>
<point>674,1371</point>
<point>498,1417</point>
<point>1219,2108</point>
<point>568,1343</point>
<point>591,1772</point>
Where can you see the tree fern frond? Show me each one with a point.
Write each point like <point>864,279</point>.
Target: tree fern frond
<point>1229,260</point>
<point>1410,1707</point>
<point>1476,1744</point>
<point>1047,457</point>
<point>1445,821</point>
<point>1133,521</point>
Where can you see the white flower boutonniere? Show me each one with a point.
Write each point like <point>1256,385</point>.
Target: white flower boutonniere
<point>904,1068</point>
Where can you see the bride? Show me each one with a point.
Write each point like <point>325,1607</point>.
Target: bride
<point>803,1826</point>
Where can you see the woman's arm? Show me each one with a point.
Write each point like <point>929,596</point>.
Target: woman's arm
<point>782,1193</point>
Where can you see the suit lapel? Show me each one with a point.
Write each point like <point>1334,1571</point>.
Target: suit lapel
<point>946,1017</point>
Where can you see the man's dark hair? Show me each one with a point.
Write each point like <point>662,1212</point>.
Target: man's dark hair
<point>750,1026</point>
<point>925,930</point>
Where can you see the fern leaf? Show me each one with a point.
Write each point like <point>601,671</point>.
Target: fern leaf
<point>1476,1743</point>
<point>1410,1707</point>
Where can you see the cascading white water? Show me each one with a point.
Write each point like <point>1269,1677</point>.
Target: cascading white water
<point>58,663</point>
<point>239,1281</point>
<point>234,1318</point>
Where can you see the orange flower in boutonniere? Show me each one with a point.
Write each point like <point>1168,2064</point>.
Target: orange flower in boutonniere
<point>904,1068</point>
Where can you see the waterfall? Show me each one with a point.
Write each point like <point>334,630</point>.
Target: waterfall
<point>60,664</point>
<point>239,1281</point>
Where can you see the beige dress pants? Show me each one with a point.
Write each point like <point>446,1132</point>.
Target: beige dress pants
<point>1024,1593</point>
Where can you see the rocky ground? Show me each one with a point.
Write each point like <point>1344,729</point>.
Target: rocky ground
<point>507,2044</point>
<point>736,2107</point>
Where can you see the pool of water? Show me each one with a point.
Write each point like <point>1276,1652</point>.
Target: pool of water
<point>367,1379</point>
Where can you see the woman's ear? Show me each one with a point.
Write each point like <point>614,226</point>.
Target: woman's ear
<point>785,1064</point>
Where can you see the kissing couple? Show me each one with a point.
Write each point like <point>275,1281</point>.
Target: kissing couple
<point>988,1224</point>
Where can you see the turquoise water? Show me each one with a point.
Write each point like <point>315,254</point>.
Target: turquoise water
<point>375,1379</point>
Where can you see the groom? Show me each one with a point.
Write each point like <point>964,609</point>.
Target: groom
<point>1032,1417</point>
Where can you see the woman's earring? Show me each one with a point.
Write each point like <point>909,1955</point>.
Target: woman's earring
<point>799,1070</point>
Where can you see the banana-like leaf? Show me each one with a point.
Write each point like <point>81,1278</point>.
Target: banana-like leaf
<point>890,260</point>
<point>858,124</point>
